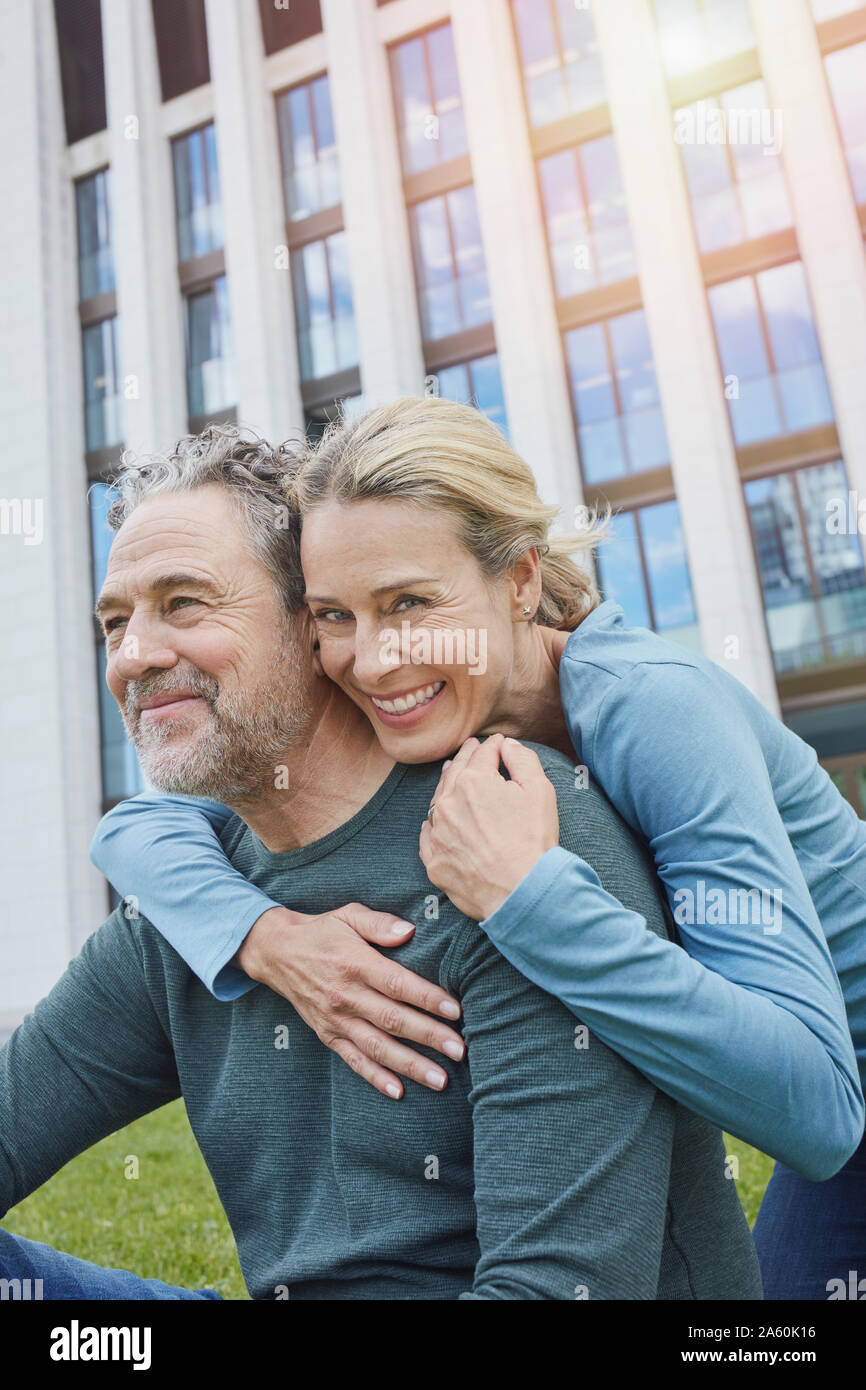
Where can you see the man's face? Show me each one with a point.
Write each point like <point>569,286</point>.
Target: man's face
<point>203,660</point>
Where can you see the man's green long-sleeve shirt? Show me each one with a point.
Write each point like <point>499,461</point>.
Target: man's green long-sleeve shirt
<point>548,1168</point>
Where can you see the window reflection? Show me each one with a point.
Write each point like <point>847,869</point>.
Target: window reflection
<point>811,570</point>
<point>449,263</point>
<point>429,104</point>
<point>210,358</point>
<point>737,188</point>
<point>197,190</point>
<point>477,383</point>
<point>643,566</point>
<point>694,33</point>
<point>93,215</point>
<point>616,400</point>
<point>103,401</point>
<point>587,221</point>
<point>562,71</point>
<point>846,73</point>
<point>829,9</point>
<point>774,377</point>
<point>324,307</point>
<point>308,147</point>
<point>121,775</point>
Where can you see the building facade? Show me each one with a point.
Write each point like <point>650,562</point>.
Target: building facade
<point>630,231</point>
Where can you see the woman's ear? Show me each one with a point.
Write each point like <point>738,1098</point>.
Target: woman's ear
<point>526,584</point>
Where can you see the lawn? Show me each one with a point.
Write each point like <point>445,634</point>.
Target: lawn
<point>167,1223</point>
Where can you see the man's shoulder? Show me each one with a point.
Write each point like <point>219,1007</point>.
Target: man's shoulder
<point>576,789</point>
<point>592,828</point>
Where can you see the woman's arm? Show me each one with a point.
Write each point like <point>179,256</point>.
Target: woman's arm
<point>749,1028</point>
<point>164,854</point>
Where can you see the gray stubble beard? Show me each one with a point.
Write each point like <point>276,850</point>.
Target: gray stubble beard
<point>235,756</point>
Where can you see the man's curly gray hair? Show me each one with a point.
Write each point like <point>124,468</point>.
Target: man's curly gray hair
<point>257,475</point>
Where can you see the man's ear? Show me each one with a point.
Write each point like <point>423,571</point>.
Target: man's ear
<point>307,629</point>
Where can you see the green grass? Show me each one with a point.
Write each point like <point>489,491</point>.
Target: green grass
<point>168,1223</point>
<point>165,1224</point>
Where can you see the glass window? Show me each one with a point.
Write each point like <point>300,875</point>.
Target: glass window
<point>587,221</point>
<point>449,263</point>
<point>730,148</point>
<point>846,73</point>
<point>562,71</point>
<point>829,9</point>
<point>774,377</point>
<point>311,170</point>
<point>210,357</point>
<point>812,574</point>
<point>479,383</point>
<point>103,400</point>
<point>694,33</point>
<point>324,308</point>
<point>429,104</point>
<point>121,775</point>
<point>318,417</point>
<point>643,566</point>
<point>95,260</point>
<point>616,399</point>
<point>197,190</point>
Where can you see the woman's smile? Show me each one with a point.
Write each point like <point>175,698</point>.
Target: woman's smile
<point>410,707</point>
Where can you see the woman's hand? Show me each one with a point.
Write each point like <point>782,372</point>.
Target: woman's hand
<point>354,998</point>
<point>486,833</point>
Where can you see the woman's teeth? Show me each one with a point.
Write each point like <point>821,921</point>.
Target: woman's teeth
<point>407,702</point>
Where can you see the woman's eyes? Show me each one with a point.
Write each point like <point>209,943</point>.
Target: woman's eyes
<point>410,599</point>
<point>340,615</point>
<point>331,615</point>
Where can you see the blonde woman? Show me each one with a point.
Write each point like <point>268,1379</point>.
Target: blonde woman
<point>444,609</point>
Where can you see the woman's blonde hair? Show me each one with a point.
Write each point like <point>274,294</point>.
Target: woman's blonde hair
<point>436,453</point>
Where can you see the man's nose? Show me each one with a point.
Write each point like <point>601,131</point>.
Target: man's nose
<point>140,650</point>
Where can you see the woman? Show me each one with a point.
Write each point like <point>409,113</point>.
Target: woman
<point>443,610</point>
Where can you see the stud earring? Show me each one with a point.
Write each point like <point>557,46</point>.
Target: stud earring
<point>526,612</point>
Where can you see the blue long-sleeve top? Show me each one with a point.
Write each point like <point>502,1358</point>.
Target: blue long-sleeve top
<point>757,852</point>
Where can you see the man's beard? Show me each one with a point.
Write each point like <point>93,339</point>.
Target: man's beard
<point>234,755</point>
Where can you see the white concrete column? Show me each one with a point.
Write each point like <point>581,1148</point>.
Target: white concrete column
<point>50,896</point>
<point>152,354</point>
<point>259,282</point>
<point>528,339</point>
<point>715,525</point>
<point>374,213</point>
<point>828,229</point>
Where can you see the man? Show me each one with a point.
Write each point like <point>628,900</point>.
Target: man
<point>549,1168</point>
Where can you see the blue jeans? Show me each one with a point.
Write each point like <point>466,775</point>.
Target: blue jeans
<point>64,1276</point>
<point>811,1236</point>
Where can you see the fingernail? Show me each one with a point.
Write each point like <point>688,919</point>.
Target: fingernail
<point>455,1050</point>
<point>436,1078</point>
<point>447,763</point>
<point>449,1010</point>
<point>393,1090</point>
<point>399,928</point>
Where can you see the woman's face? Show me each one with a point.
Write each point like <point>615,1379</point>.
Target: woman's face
<point>408,625</point>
